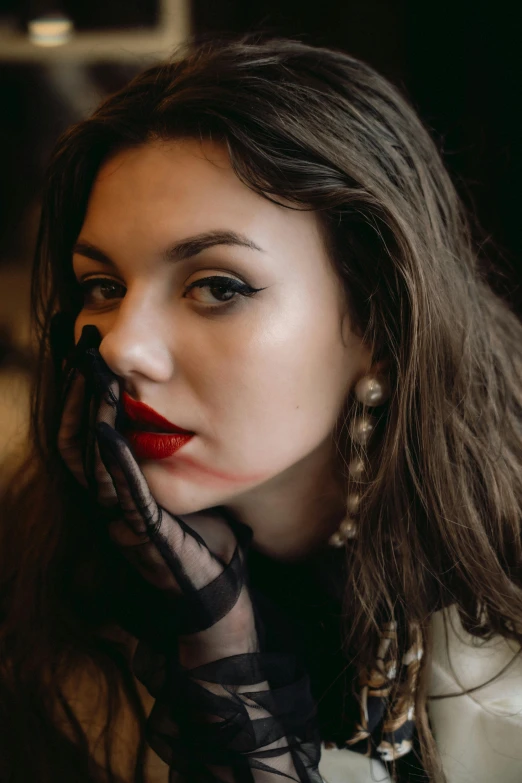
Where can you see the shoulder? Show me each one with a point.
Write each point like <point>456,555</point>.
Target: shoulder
<point>336,763</point>
<point>478,733</point>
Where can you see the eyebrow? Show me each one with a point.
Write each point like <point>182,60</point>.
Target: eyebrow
<point>180,251</point>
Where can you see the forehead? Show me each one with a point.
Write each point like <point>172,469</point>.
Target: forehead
<point>170,189</point>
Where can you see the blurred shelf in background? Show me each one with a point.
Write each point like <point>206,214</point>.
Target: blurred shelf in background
<point>58,60</point>
<point>151,33</point>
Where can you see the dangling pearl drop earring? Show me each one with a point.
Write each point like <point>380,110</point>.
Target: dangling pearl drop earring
<point>372,391</point>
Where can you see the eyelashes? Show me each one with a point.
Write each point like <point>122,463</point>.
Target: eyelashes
<point>223,284</point>
<point>101,290</point>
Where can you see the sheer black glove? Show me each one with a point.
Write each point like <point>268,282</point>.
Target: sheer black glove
<point>224,710</point>
<point>203,585</point>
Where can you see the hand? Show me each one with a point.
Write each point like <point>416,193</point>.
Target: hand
<point>224,708</point>
<point>200,564</point>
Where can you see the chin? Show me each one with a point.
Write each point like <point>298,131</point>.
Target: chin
<point>175,493</point>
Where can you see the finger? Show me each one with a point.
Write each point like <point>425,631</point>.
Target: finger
<point>144,556</point>
<point>183,550</point>
<point>131,533</point>
<point>75,405</point>
<point>110,396</point>
<point>89,341</point>
<point>107,412</point>
<point>106,494</point>
<point>139,507</point>
<point>70,432</point>
<point>102,388</point>
<point>94,367</point>
<point>90,338</point>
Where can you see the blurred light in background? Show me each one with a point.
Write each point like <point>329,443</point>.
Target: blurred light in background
<point>93,31</point>
<point>58,60</point>
<point>51,30</point>
<point>457,61</point>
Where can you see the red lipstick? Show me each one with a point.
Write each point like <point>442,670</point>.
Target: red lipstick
<point>151,435</point>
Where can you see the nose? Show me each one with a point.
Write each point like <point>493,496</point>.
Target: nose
<point>135,346</point>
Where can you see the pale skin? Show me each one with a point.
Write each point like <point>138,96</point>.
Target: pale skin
<point>260,379</point>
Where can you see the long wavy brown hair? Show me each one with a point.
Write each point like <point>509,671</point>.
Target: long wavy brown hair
<point>441,507</point>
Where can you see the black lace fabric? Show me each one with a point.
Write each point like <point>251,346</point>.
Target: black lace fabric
<point>244,718</point>
<point>256,716</point>
<point>240,717</point>
<point>248,717</point>
<point>216,717</point>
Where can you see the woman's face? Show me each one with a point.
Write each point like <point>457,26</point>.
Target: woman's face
<point>260,379</point>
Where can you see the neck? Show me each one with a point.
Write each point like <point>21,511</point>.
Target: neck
<point>293,514</point>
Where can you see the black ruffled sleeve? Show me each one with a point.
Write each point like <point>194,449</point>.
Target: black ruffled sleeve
<point>260,716</point>
<point>246,718</point>
<point>250,717</point>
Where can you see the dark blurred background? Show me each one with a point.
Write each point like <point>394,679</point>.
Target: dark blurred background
<point>458,62</point>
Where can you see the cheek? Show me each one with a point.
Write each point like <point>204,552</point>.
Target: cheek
<point>275,408</point>
<point>264,413</point>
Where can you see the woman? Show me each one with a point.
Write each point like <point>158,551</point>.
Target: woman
<point>278,444</point>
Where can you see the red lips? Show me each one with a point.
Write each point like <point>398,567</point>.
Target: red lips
<point>151,435</point>
<point>142,414</point>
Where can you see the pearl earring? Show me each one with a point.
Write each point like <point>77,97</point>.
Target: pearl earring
<point>372,391</point>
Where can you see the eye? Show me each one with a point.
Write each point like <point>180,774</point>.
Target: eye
<point>97,291</point>
<point>223,289</point>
